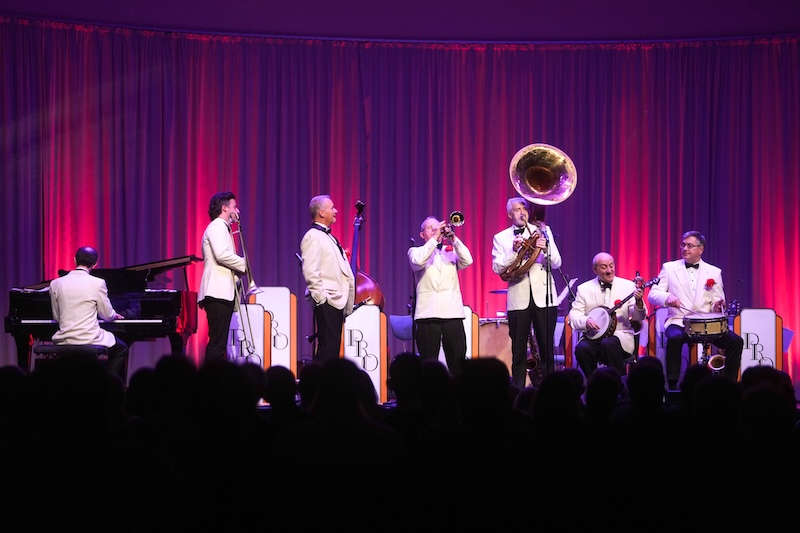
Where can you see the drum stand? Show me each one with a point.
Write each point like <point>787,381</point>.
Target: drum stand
<point>706,355</point>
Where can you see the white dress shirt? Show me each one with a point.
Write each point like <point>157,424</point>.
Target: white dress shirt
<point>77,299</point>
<point>220,262</point>
<point>327,273</point>
<point>675,280</point>
<point>436,275</point>
<point>534,283</point>
<point>591,295</point>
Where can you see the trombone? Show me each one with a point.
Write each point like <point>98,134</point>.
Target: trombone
<point>248,344</point>
<point>252,287</point>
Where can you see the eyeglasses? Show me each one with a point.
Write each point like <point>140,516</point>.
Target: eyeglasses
<point>689,245</point>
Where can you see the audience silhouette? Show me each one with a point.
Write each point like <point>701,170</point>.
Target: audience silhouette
<point>227,447</point>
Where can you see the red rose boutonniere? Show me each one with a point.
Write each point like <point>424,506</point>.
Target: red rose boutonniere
<point>710,284</point>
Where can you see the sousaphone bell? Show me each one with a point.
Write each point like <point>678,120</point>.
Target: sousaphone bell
<point>543,175</point>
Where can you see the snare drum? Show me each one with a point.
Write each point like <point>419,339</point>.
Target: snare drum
<point>705,326</point>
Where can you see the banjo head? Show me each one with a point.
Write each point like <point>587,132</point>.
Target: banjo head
<point>601,317</point>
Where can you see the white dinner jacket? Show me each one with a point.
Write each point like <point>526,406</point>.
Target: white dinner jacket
<point>77,299</point>
<point>220,262</point>
<point>436,275</point>
<point>590,295</point>
<point>328,275</point>
<point>674,280</point>
<point>535,282</point>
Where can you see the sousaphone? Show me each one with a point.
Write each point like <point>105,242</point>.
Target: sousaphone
<point>543,175</point>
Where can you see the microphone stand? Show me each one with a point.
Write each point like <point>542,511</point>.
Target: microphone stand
<point>412,306</point>
<point>548,350</point>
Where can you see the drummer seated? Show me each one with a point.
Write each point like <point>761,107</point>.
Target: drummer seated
<point>678,334</point>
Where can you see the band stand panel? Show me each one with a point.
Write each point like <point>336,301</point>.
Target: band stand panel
<point>281,304</point>
<point>762,333</point>
<point>365,342</point>
<point>475,341</point>
<point>248,341</point>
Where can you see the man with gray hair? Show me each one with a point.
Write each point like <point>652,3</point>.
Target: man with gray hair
<point>329,279</point>
<point>606,290</point>
<point>532,297</point>
<point>439,309</point>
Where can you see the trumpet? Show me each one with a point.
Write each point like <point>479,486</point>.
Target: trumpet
<point>454,219</point>
<point>252,287</point>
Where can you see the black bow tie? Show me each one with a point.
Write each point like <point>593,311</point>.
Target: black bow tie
<point>696,265</point>
<point>604,285</point>
<point>328,231</point>
<point>519,231</point>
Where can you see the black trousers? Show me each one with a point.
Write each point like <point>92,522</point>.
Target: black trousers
<point>219,314</point>
<point>607,351</point>
<point>447,331</point>
<point>677,337</point>
<point>118,359</point>
<point>519,328</point>
<point>329,322</point>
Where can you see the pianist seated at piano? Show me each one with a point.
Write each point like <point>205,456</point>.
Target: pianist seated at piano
<point>77,299</point>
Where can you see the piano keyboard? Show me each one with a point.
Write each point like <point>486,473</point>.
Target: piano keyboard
<point>123,321</point>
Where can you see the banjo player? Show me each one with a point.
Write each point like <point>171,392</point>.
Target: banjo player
<point>604,340</point>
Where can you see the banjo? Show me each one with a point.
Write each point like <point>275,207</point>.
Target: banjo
<point>606,318</point>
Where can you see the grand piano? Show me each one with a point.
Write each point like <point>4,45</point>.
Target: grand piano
<point>138,292</point>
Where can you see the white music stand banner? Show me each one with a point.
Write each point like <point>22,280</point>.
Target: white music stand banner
<point>281,305</point>
<point>364,342</point>
<point>247,342</point>
<point>762,333</point>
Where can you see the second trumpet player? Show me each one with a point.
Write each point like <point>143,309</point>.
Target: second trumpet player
<point>439,309</point>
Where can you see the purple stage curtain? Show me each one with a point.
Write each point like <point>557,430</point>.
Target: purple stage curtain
<point>117,138</point>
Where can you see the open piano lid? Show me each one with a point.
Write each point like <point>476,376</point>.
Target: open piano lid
<point>132,278</point>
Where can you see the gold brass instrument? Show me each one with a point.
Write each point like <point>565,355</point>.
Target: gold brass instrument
<point>454,219</point>
<point>526,257</point>
<point>716,362</point>
<point>252,288</point>
<point>543,175</point>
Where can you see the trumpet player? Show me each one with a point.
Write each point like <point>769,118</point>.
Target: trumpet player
<point>605,290</point>
<point>220,266</point>
<point>532,297</point>
<point>439,309</point>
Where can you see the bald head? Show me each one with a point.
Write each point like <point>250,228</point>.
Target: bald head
<point>603,266</point>
<point>602,256</point>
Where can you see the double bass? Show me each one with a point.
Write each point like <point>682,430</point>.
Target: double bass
<point>367,289</point>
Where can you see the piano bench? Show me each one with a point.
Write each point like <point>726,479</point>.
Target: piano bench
<point>53,351</point>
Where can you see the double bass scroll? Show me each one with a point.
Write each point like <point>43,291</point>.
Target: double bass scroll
<point>367,289</point>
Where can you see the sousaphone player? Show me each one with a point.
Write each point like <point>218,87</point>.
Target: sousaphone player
<point>525,253</point>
